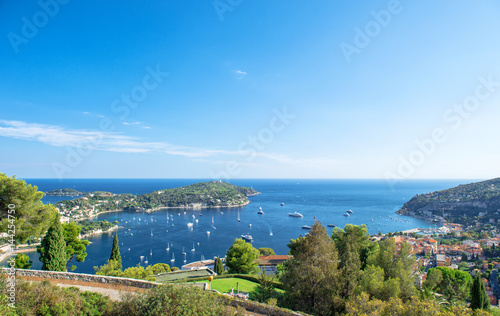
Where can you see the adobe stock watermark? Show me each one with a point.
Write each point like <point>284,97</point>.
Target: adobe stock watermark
<point>122,107</point>
<point>31,26</point>
<point>11,270</point>
<point>453,118</point>
<point>255,144</point>
<point>363,36</point>
<point>223,6</point>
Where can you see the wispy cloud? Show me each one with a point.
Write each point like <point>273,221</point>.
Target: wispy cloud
<point>115,142</point>
<point>132,123</point>
<point>93,114</point>
<point>240,74</point>
<point>141,124</point>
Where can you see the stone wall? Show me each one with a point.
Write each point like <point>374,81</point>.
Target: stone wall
<point>263,309</point>
<point>84,278</point>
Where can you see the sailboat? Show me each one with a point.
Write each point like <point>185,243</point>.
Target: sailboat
<point>183,252</point>
<point>239,216</point>
<point>193,248</point>
<point>173,258</point>
<point>151,232</point>
<point>212,220</point>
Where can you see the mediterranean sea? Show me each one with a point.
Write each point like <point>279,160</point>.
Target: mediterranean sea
<point>149,238</point>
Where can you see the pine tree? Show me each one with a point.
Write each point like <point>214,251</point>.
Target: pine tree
<point>53,248</point>
<point>311,277</point>
<point>115,252</point>
<point>479,298</point>
<point>242,257</point>
<point>265,288</point>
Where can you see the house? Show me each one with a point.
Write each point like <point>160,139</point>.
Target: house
<point>441,260</point>
<point>269,263</point>
<point>493,299</point>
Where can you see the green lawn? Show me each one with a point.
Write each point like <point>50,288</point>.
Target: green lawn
<point>225,285</point>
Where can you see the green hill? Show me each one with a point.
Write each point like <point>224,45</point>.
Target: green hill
<point>198,195</point>
<point>479,200</point>
<point>206,194</point>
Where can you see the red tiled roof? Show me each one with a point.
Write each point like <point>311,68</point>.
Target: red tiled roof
<point>273,260</point>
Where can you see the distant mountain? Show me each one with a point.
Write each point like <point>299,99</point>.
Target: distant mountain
<point>458,204</point>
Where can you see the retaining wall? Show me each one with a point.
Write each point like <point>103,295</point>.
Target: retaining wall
<point>83,278</point>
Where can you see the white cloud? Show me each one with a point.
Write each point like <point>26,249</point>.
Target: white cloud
<point>93,114</point>
<point>132,123</point>
<point>115,142</point>
<point>141,124</point>
<point>240,74</point>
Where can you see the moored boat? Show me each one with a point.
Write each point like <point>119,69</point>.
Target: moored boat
<point>295,214</point>
<point>247,237</point>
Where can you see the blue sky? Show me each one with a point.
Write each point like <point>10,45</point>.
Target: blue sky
<point>250,89</point>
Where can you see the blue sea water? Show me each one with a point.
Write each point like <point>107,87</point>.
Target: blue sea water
<point>151,238</point>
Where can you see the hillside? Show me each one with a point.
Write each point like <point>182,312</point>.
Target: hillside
<point>479,200</point>
<point>64,192</point>
<point>198,195</point>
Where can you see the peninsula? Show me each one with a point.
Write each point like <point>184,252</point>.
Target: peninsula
<point>464,204</point>
<point>213,194</point>
<point>64,192</point>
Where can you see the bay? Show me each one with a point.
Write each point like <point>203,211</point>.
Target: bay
<point>150,238</point>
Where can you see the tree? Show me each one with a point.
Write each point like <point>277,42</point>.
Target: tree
<point>23,204</point>
<point>22,261</point>
<point>372,282</point>
<point>465,258</point>
<point>310,278</point>
<point>358,239</point>
<point>266,252</point>
<point>265,288</point>
<point>53,248</point>
<point>479,298</point>
<point>158,268</point>
<point>218,266</point>
<point>463,266</point>
<point>397,265</point>
<point>137,272</point>
<point>115,252</point>
<point>75,247</point>
<point>242,257</point>
<point>109,269</point>
<point>355,249</point>
<point>434,277</point>
<point>404,262</point>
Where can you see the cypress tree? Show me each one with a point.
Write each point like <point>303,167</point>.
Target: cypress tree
<point>479,298</point>
<point>218,266</point>
<point>53,248</point>
<point>115,252</point>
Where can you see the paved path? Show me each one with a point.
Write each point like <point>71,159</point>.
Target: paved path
<point>114,295</point>
<point>113,291</point>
